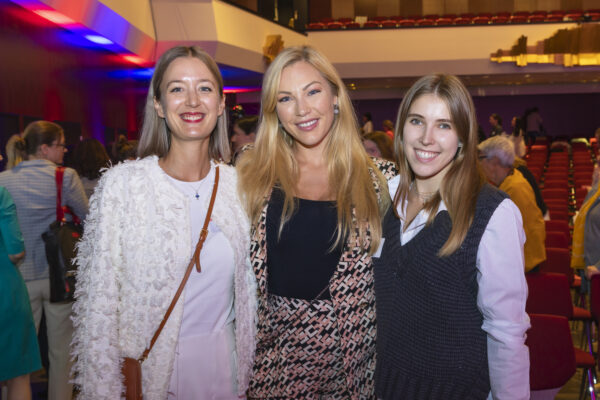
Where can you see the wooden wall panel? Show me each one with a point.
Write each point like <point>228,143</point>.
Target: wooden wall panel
<point>456,6</point>
<point>590,4</point>
<point>365,7</point>
<point>411,7</point>
<point>574,4</point>
<point>387,8</point>
<point>319,9</point>
<point>341,8</point>
<point>433,7</point>
<point>547,5</point>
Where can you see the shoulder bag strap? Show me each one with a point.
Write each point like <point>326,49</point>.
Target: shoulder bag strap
<point>60,213</point>
<point>194,261</point>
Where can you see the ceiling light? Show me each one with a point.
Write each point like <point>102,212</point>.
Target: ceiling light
<point>98,39</point>
<point>134,59</point>
<point>54,16</point>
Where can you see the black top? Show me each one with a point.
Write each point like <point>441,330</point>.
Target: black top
<point>300,263</point>
<point>430,344</point>
<point>536,189</point>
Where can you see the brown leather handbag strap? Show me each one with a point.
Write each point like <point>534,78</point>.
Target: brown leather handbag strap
<point>194,261</point>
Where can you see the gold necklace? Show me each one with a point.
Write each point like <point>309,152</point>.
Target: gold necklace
<point>423,196</point>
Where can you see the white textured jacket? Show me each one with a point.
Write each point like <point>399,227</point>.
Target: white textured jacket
<point>132,257</point>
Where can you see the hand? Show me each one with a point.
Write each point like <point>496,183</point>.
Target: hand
<point>16,258</point>
<point>590,271</point>
<point>596,175</point>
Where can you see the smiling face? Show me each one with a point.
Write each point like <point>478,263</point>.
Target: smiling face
<point>190,101</point>
<point>429,140</point>
<point>305,104</point>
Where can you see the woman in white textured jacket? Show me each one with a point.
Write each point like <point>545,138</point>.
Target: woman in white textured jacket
<point>144,222</point>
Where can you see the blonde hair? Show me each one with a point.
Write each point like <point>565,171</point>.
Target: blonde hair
<point>15,151</point>
<point>271,162</point>
<point>156,136</point>
<point>463,181</point>
<point>36,134</point>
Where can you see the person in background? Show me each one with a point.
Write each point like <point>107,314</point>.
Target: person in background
<point>497,157</point>
<point>13,155</point>
<point>367,123</point>
<point>496,123</point>
<point>388,128</point>
<point>18,340</point>
<point>88,159</point>
<point>533,124</point>
<point>315,201</point>
<point>243,133</point>
<point>518,136</point>
<point>521,165</point>
<point>124,149</point>
<point>452,257</point>
<point>146,218</point>
<point>586,235</point>
<point>378,144</point>
<point>32,186</point>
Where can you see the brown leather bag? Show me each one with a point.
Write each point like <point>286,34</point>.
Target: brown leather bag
<point>132,372</point>
<point>132,368</point>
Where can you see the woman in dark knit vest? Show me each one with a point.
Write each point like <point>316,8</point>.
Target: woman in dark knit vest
<point>449,278</point>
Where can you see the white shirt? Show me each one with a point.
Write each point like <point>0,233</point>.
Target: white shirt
<point>501,296</point>
<point>205,356</point>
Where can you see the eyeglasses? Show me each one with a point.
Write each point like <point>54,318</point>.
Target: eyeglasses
<point>63,145</point>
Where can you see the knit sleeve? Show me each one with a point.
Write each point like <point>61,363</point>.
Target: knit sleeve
<point>74,195</point>
<point>95,312</point>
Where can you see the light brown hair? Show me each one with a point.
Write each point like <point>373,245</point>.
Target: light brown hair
<point>156,137</point>
<point>464,179</point>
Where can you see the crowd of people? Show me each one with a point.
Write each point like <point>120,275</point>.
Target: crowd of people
<point>318,258</point>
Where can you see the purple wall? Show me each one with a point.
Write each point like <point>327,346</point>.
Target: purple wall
<point>572,115</point>
<point>563,114</point>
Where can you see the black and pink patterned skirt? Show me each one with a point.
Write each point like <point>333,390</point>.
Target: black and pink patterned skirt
<point>298,352</point>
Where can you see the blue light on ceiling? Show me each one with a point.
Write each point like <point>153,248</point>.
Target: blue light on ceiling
<point>140,74</point>
<point>98,39</point>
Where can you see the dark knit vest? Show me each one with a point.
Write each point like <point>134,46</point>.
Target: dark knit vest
<point>430,344</point>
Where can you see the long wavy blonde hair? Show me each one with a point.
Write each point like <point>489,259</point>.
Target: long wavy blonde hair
<point>464,179</point>
<point>271,162</point>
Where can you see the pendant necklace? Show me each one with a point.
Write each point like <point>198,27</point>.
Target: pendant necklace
<point>197,196</point>
<point>423,196</point>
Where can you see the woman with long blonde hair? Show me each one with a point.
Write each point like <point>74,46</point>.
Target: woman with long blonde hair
<point>315,200</point>
<point>450,281</point>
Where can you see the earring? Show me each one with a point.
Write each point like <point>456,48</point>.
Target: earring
<point>460,145</point>
<point>336,109</point>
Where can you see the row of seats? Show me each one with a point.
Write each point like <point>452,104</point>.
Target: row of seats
<point>553,356</point>
<point>563,176</point>
<point>461,19</point>
<point>562,170</point>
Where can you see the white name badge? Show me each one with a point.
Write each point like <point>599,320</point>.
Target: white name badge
<point>378,252</point>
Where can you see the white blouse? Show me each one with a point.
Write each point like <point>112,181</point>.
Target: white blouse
<point>205,359</point>
<point>501,296</point>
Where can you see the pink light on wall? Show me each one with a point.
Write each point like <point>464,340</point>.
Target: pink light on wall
<point>237,89</point>
<point>99,24</point>
<point>55,17</point>
<point>134,59</point>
